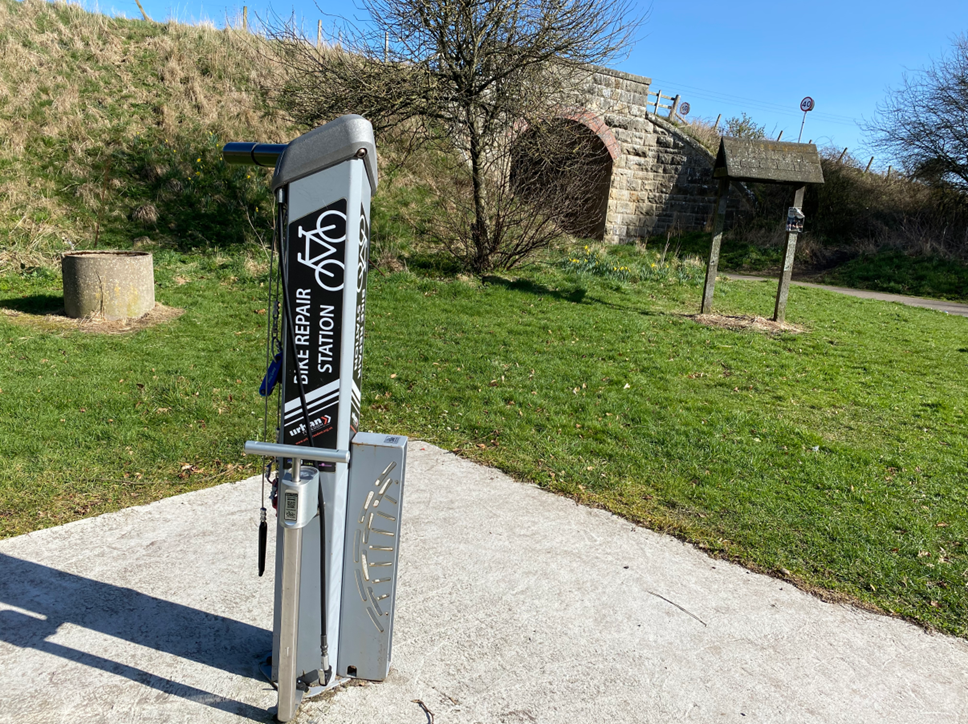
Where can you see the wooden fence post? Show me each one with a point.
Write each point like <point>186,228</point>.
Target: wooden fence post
<point>842,154</point>
<point>718,119</point>
<point>319,33</point>
<point>869,165</point>
<point>657,97</point>
<point>675,107</point>
<point>143,13</point>
<point>245,17</point>
<point>780,136</point>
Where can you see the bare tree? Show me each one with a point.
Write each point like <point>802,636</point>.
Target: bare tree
<point>473,75</point>
<point>924,122</point>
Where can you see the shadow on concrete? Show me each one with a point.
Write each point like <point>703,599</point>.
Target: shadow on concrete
<point>53,598</point>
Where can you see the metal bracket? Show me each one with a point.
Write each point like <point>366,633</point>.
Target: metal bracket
<point>278,450</point>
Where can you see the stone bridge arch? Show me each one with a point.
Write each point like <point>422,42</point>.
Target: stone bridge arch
<point>565,165</point>
<point>661,178</point>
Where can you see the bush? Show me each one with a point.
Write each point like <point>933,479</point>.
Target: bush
<point>864,213</point>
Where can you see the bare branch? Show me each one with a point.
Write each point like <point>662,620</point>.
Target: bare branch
<point>468,73</point>
<point>924,123</point>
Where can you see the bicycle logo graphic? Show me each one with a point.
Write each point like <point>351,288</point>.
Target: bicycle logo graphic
<point>320,251</point>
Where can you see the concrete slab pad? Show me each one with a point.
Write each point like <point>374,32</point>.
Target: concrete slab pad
<point>514,606</point>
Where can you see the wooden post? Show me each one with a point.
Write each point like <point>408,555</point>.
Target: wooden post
<point>842,154</point>
<point>245,17</point>
<point>319,32</point>
<point>783,290</point>
<point>675,107</point>
<point>869,165</point>
<point>657,97</point>
<point>386,47</point>
<point>718,119</point>
<point>780,136</point>
<point>143,13</point>
<point>722,200</point>
<point>889,169</point>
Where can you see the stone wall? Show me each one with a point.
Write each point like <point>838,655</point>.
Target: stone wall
<point>661,177</point>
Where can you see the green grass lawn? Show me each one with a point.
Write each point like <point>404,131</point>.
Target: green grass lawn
<point>836,457</point>
<point>96,422</point>
<point>886,270</point>
<point>898,273</point>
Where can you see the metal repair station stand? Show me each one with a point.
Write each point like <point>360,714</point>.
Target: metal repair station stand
<point>338,492</point>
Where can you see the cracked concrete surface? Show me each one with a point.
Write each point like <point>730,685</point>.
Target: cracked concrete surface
<point>514,606</point>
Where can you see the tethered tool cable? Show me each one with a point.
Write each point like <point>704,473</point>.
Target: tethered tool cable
<point>263,525</point>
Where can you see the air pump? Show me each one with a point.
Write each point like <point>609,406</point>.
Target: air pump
<point>338,492</point>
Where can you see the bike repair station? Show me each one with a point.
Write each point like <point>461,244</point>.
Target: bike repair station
<point>338,492</point>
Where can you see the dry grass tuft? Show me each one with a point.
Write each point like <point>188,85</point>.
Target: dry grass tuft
<point>146,215</point>
<point>703,131</point>
<point>742,322</point>
<point>60,322</point>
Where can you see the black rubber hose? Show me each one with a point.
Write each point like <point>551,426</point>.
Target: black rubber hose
<point>263,536</point>
<point>323,639</point>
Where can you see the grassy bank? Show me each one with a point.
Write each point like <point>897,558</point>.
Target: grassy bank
<point>835,457</point>
<point>110,131</point>
<point>899,273</point>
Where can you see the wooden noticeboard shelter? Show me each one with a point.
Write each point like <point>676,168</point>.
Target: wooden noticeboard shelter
<point>741,159</point>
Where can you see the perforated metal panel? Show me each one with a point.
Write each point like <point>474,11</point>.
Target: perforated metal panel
<point>371,556</point>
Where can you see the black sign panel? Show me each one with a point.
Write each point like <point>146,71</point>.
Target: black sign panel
<point>316,265</point>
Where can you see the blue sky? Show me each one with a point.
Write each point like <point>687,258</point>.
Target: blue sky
<point>750,56</point>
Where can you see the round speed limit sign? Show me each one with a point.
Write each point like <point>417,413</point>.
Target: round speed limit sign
<point>806,104</point>
<point>684,109</point>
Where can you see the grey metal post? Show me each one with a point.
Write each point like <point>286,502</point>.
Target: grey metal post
<point>289,629</point>
<point>722,200</point>
<point>297,507</point>
<point>327,176</point>
<point>783,290</point>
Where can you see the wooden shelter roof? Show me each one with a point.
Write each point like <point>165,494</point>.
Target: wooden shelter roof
<point>743,159</point>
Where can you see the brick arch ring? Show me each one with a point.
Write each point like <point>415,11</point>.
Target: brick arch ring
<point>591,121</point>
<point>596,125</point>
